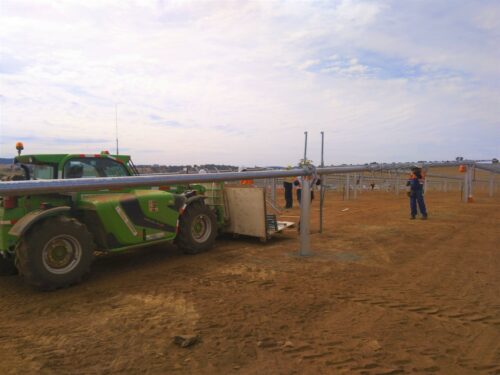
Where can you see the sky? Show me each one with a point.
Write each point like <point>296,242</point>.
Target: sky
<point>239,82</point>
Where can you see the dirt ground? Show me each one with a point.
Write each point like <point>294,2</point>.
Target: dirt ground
<point>381,295</point>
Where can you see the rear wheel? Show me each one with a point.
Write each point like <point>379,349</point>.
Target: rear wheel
<point>197,229</point>
<point>55,253</point>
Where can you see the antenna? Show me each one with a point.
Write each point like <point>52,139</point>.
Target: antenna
<point>116,128</point>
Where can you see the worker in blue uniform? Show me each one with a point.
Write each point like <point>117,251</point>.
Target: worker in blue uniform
<point>416,193</point>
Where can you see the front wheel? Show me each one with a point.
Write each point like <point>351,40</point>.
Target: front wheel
<point>56,253</point>
<point>197,229</point>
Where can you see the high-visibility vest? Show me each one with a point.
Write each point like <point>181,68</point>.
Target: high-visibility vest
<point>246,182</point>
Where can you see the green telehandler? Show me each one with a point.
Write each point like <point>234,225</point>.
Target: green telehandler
<point>51,239</point>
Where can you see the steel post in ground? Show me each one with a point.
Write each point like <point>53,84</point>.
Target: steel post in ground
<point>321,186</point>
<point>347,186</point>
<point>355,177</point>
<point>305,211</point>
<point>322,200</point>
<point>471,181</point>
<point>465,186</point>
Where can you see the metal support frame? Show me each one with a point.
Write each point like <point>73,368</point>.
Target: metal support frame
<point>17,188</point>
<point>305,213</point>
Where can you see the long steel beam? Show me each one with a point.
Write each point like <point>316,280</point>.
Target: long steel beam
<point>83,184</point>
<point>495,168</point>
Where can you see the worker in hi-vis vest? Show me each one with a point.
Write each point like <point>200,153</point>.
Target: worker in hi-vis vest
<point>416,193</point>
<point>288,186</point>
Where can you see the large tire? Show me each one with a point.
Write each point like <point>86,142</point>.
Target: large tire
<point>7,266</point>
<point>197,229</point>
<point>55,254</point>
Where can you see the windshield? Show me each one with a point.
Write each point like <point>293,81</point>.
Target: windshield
<point>94,167</point>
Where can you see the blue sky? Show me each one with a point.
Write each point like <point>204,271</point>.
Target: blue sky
<point>239,82</point>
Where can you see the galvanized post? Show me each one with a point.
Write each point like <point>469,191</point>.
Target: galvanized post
<point>471,181</point>
<point>465,186</point>
<point>321,186</point>
<point>347,186</point>
<point>305,148</point>
<point>355,176</point>
<point>305,205</point>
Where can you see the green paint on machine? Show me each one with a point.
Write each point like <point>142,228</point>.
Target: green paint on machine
<point>102,221</point>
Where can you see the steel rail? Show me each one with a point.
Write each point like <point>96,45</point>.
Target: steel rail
<point>85,184</point>
<point>489,167</point>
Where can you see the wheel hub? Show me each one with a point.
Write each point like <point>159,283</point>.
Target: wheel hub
<point>201,228</point>
<point>61,254</point>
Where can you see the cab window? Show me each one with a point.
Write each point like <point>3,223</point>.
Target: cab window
<point>42,172</point>
<point>93,167</point>
<point>32,172</point>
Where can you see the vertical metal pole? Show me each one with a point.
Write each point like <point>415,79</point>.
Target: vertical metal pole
<point>445,186</point>
<point>305,205</point>
<point>465,186</point>
<point>322,149</point>
<point>305,148</point>
<point>471,180</point>
<point>321,186</point>
<point>355,178</point>
<point>347,187</point>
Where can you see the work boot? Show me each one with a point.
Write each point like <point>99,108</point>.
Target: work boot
<point>424,217</point>
<point>412,217</point>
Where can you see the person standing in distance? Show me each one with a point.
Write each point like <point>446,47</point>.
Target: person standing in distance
<point>416,193</point>
<point>288,186</point>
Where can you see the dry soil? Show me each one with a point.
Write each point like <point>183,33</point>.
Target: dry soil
<point>381,295</point>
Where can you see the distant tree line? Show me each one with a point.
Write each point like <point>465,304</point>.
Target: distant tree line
<point>156,168</point>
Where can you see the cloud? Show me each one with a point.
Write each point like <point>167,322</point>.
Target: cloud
<point>233,82</point>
